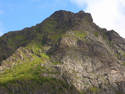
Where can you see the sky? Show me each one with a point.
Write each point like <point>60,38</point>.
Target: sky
<point>18,14</point>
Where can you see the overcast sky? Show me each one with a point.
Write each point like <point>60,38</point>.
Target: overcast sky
<point>17,14</point>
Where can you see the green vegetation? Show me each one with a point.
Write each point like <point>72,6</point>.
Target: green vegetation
<point>123,63</point>
<point>94,89</point>
<point>51,31</point>
<point>44,55</point>
<point>55,36</point>
<point>79,34</point>
<point>104,36</point>
<point>49,25</point>
<point>26,70</point>
<point>124,54</point>
<point>96,34</point>
<point>82,92</point>
<point>11,41</point>
<point>117,55</point>
<point>30,67</point>
<point>56,63</point>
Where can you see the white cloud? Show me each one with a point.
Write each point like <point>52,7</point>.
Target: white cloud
<point>108,14</point>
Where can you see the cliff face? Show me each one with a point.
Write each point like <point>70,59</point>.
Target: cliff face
<point>65,54</point>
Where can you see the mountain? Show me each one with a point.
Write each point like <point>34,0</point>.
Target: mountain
<point>65,54</point>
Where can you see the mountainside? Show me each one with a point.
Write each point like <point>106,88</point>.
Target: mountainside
<point>65,54</point>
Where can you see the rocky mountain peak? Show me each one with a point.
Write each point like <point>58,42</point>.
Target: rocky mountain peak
<point>65,54</point>
<point>84,15</point>
<point>63,15</point>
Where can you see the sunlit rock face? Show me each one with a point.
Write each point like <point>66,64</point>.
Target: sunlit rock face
<point>65,54</point>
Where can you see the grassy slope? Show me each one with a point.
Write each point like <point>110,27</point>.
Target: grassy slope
<point>28,68</point>
<point>30,72</point>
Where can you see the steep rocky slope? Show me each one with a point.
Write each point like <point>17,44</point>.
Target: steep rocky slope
<point>65,54</point>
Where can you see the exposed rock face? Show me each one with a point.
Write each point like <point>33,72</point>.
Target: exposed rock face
<point>66,54</point>
<point>90,65</point>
